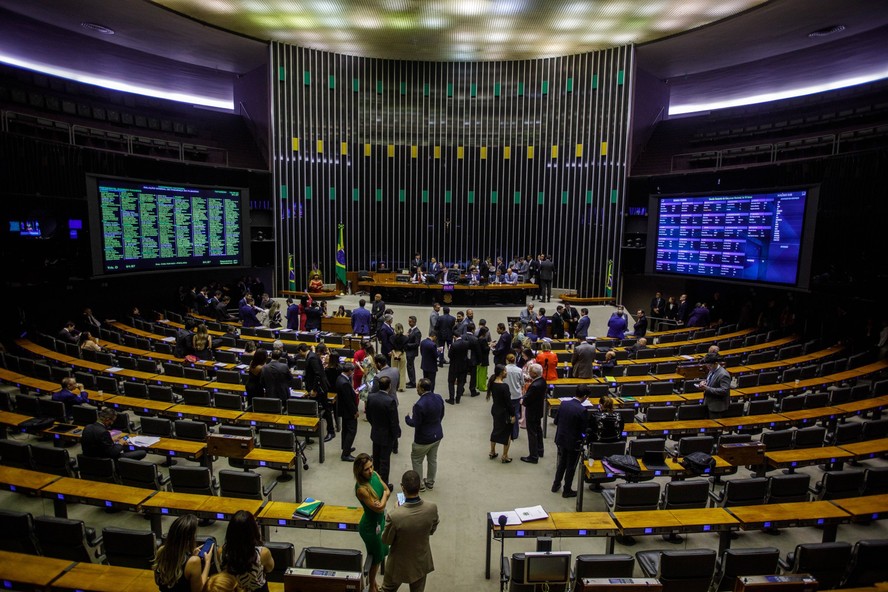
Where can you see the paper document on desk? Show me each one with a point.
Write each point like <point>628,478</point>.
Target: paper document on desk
<point>563,399</point>
<point>113,369</point>
<point>144,441</point>
<point>237,350</point>
<point>688,357</point>
<point>511,517</point>
<point>532,513</point>
<point>169,339</point>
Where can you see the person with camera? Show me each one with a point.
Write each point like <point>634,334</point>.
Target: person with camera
<point>571,425</point>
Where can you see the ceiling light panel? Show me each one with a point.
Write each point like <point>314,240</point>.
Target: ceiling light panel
<point>438,30</point>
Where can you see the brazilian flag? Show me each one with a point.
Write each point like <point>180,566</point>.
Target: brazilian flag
<point>291,273</point>
<point>609,288</point>
<point>340,256</point>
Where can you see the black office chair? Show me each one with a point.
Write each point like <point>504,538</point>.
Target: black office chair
<point>243,485</point>
<point>194,373</point>
<point>197,397</point>
<point>67,539</point>
<point>27,405</point>
<point>228,376</point>
<point>816,400</point>
<point>17,532</point>
<point>107,384</point>
<point>53,409</point>
<point>660,413</point>
<point>15,454</point>
<point>284,555</point>
<point>793,403</point>
<point>630,497</point>
<point>163,394</point>
<point>197,480</point>
<point>617,565</point>
<point>783,489</point>
<point>741,492</point>
<point>195,431</point>
<point>681,495</point>
<point>679,571</point>
<point>55,461</point>
<point>811,437</point>
<point>267,405</point>
<point>639,446</point>
<point>302,407</point>
<point>147,366</point>
<point>231,401</point>
<point>157,426</point>
<point>690,444</point>
<point>827,562</point>
<point>137,473</point>
<point>838,485</point>
<point>778,439</point>
<point>745,562</point>
<point>633,389</point>
<point>692,412</point>
<point>875,480</point>
<point>97,469</point>
<point>83,416</point>
<point>174,370</point>
<point>278,440</point>
<point>874,429</point>
<point>125,362</point>
<point>868,565</point>
<point>129,548</point>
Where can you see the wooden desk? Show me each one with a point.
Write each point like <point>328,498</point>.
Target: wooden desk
<point>870,507</point>
<point>137,404</point>
<point>93,576</point>
<point>875,404</point>
<point>341,518</point>
<point>772,421</point>
<point>645,401</point>
<point>867,449</point>
<point>93,493</point>
<point>12,420</point>
<point>408,293</point>
<point>824,514</point>
<point>167,503</point>
<point>677,521</point>
<point>804,417</point>
<point>20,380</point>
<point>32,570</point>
<point>300,424</point>
<point>687,427</point>
<point>213,414</point>
<point>282,460</point>
<point>23,480</point>
<point>806,457</point>
<point>536,528</point>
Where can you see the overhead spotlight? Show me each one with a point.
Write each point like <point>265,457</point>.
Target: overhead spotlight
<point>97,28</point>
<point>827,31</point>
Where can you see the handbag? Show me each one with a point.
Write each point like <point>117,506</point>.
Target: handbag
<point>697,462</point>
<point>622,463</point>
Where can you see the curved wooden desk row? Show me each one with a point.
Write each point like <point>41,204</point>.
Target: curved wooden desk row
<point>330,339</point>
<point>825,514</point>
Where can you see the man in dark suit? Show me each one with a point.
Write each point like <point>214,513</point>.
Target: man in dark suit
<point>459,368</point>
<point>428,357</point>
<point>556,321</point>
<point>435,269</point>
<point>716,387</point>
<point>416,264</point>
<point>97,441</point>
<point>275,377</point>
<point>184,344</point>
<point>414,338</point>
<point>640,328</point>
<point>444,329</point>
<point>583,324</point>
<point>69,333</point>
<point>313,316</point>
<point>503,345</point>
<point>248,313</point>
<point>534,401</point>
<point>583,360</point>
<point>683,310</point>
<point>292,315</point>
<point>317,385</point>
<point>407,531</point>
<point>347,409</point>
<point>361,319</point>
<point>474,356</point>
<point>67,396</point>
<point>571,422</point>
<point>533,275</point>
<point>220,310</point>
<point>658,305</point>
<point>385,335</point>
<point>385,427</point>
<point>547,274</point>
<point>377,311</point>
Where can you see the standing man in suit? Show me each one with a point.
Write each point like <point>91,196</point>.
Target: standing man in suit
<point>416,264</point>
<point>428,357</point>
<point>347,409</point>
<point>275,377</point>
<point>640,328</point>
<point>583,324</point>
<point>313,316</point>
<point>414,338</point>
<point>503,344</point>
<point>571,423</point>
<point>407,532</point>
<point>361,319</point>
<point>534,401</point>
<point>658,306</point>
<point>292,315</point>
<point>433,317</point>
<point>385,427</point>
<point>547,274</point>
<point>533,275</point>
<point>716,387</point>
<point>444,329</point>
<point>316,383</point>
<point>377,311</point>
<point>428,413</point>
<point>556,321</point>
<point>458,371</point>
<point>683,310</point>
<point>583,360</point>
<point>474,357</point>
<point>435,269</point>
<point>385,335</point>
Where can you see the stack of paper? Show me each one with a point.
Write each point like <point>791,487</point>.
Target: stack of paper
<point>520,515</point>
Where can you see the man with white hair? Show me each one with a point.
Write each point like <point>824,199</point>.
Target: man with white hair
<point>534,402</point>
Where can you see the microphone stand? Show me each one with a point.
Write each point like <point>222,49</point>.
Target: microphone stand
<point>502,524</point>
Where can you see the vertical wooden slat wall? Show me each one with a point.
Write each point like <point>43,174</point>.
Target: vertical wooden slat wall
<point>450,159</point>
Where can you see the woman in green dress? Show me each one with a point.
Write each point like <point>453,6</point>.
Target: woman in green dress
<point>373,495</point>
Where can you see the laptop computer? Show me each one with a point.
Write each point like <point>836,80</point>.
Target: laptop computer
<point>655,460</point>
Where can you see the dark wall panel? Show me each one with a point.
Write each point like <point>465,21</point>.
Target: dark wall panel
<point>454,160</point>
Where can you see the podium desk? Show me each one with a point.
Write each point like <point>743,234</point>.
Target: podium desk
<point>806,457</point>
<point>31,570</point>
<point>24,480</point>
<point>93,493</point>
<point>282,460</point>
<point>167,503</point>
<point>532,529</point>
<point>97,577</point>
<point>213,414</point>
<point>870,507</point>
<point>867,449</point>
<point>825,514</point>
<point>137,404</point>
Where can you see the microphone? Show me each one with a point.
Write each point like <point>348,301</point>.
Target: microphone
<point>502,521</point>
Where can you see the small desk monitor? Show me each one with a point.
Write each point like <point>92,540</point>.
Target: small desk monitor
<point>551,567</point>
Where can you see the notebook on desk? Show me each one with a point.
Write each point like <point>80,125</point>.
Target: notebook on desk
<point>654,460</point>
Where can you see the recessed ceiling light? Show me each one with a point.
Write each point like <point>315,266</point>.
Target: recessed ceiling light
<point>827,31</point>
<point>97,28</point>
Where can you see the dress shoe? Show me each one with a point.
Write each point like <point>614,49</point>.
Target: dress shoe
<point>529,459</point>
<point>429,484</point>
<point>569,493</point>
<point>347,458</point>
<point>449,401</point>
<point>329,437</point>
<point>475,394</point>
<point>556,487</point>
<point>309,441</point>
<point>410,385</point>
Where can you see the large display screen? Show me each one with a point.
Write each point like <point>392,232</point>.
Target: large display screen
<point>142,226</point>
<point>760,237</point>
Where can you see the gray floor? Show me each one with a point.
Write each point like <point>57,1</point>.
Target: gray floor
<point>468,485</point>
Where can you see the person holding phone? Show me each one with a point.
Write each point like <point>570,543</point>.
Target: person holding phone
<point>180,565</point>
<point>243,554</point>
<point>347,409</point>
<point>373,494</point>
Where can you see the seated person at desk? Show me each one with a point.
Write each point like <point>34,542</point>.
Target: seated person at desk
<point>419,277</point>
<point>88,342</point>
<point>511,277</point>
<point>69,333</point>
<point>316,284</point>
<point>474,277</point>
<point>608,365</point>
<point>67,397</point>
<point>177,566</point>
<point>605,425</point>
<point>639,345</point>
<point>451,275</point>
<point>98,442</point>
<point>341,313</point>
<point>497,279</point>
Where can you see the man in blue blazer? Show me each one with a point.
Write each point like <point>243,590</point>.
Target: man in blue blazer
<point>583,324</point>
<point>428,356</point>
<point>571,423</point>
<point>361,319</point>
<point>292,315</point>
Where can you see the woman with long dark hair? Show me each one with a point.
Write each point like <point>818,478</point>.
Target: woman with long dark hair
<point>243,555</point>
<point>503,413</point>
<point>177,566</point>
<point>373,494</point>
<point>254,386</point>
